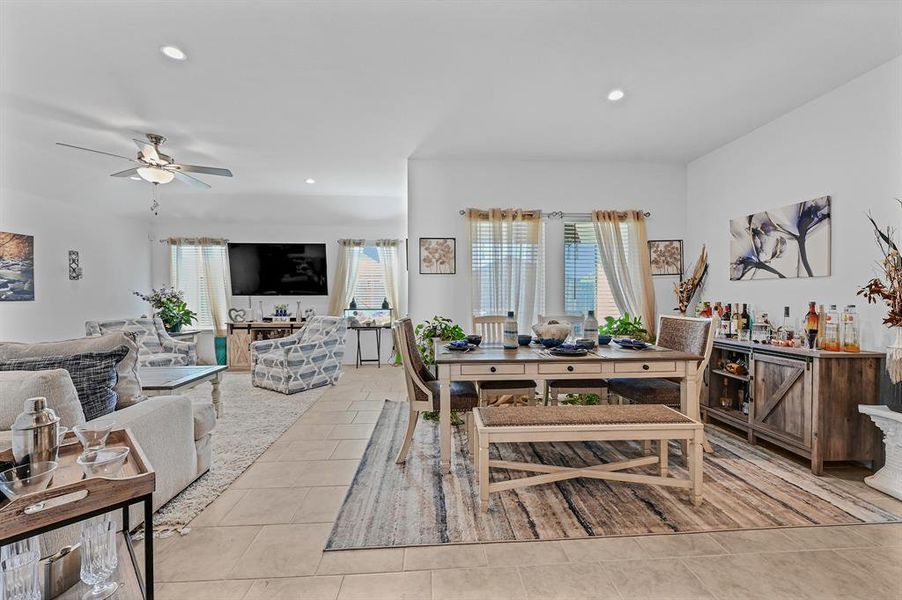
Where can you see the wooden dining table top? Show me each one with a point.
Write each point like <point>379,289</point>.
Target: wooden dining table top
<point>494,353</point>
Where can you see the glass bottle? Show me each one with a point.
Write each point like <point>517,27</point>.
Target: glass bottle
<point>726,323</point>
<point>590,326</point>
<point>745,333</point>
<point>851,336</point>
<point>821,326</point>
<point>831,330</point>
<point>509,338</point>
<point>737,321</point>
<point>811,321</point>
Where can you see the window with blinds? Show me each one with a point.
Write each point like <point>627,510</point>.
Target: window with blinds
<point>187,274</point>
<point>369,289</point>
<point>585,283</point>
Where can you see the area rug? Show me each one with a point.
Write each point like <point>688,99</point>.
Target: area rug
<point>746,487</point>
<point>252,419</point>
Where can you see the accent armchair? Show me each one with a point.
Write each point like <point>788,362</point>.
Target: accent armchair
<point>155,347</point>
<point>307,359</point>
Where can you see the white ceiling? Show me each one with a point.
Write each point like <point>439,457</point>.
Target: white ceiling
<point>345,92</point>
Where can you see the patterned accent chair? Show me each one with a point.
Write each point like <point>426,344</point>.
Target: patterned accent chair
<point>155,347</point>
<point>307,359</point>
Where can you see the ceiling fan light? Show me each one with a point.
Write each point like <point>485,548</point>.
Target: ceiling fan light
<point>155,175</point>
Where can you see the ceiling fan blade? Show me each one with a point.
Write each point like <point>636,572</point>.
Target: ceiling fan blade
<point>204,170</point>
<point>126,173</point>
<point>96,151</point>
<point>192,181</point>
<point>147,149</point>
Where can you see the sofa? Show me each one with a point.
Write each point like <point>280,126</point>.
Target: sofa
<point>307,359</point>
<point>174,431</point>
<point>155,346</point>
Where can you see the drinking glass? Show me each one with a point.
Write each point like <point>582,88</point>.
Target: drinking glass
<point>93,435</point>
<point>98,557</point>
<point>20,575</point>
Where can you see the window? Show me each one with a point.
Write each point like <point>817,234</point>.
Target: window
<point>190,265</point>
<point>369,289</point>
<point>585,283</point>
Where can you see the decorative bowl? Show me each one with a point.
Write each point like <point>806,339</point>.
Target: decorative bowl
<point>103,463</point>
<point>552,330</point>
<point>474,339</point>
<point>587,343</point>
<point>604,340</point>
<point>524,340</point>
<point>550,342</point>
<point>93,435</point>
<point>27,479</point>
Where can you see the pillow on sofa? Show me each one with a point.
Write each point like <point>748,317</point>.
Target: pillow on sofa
<point>128,388</point>
<point>93,374</point>
<point>55,385</point>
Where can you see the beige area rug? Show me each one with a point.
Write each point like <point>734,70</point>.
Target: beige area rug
<point>746,487</point>
<point>253,418</point>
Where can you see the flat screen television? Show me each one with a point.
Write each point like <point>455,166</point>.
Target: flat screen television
<point>278,269</point>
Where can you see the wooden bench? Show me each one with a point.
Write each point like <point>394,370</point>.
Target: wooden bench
<point>585,424</point>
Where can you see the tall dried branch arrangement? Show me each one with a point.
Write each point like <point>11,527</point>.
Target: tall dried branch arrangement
<point>686,289</point>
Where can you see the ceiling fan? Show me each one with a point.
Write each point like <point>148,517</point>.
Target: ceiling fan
<point>155,167</point>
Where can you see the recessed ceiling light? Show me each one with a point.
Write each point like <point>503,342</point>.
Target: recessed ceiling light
<point>615,95</point>
<point>310,180</point>
<point>173,52</point>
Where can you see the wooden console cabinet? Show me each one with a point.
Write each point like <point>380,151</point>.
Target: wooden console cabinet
<point>805,401</point>
<point>241,335</point>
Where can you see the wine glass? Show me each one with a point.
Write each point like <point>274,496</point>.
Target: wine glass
<point>19,570</point>
<point>99,558</point>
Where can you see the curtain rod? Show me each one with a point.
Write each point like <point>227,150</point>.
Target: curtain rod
<point>557,214</point>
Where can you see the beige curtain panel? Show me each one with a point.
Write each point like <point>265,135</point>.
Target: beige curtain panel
<point>212,260</point>
<point>390,259</point>
<point>345,275</point>
<point>623,247</point>
<point>507,263</point>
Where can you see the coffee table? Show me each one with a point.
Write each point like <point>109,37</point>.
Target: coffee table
<point>162,381</point>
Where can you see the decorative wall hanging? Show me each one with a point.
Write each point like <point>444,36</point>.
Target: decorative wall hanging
<point>787,242</point>
<point>666,257</point>
<point>16,266</point>
<point>438,256</point>
<point>75,271</point>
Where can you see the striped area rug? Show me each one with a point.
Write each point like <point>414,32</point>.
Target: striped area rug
<point>746,487</point>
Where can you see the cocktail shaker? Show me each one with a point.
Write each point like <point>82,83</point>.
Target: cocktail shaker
<point>36,433</point>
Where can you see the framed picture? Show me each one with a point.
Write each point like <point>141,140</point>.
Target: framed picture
<point>438,256</point>
<point>16,266</point>
<point>666,257</point>
<point>782,243</point>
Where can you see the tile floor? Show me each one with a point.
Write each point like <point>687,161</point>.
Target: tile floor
<point>263,538</point>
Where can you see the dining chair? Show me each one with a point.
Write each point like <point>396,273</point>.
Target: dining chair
<point>491,328</point>
<point>423,389</point>
<point>556,387</point>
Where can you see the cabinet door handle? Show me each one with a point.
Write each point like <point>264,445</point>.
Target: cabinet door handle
<point>645,367</point>
<point>492,369</point>
<point>570,368</point>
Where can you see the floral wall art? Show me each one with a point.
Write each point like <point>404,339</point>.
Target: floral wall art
<point>787,242</point>
<point>438,256</point>
<point>666,257</point>
<point>16,266</point>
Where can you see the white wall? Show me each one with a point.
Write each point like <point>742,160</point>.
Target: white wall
<point>846,144</point>
<point>437,190</point>
<point>115,256</point>
<point>282,232</point>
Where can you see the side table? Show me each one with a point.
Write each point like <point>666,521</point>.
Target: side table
<point>888,479</point>
<point>378,331</point>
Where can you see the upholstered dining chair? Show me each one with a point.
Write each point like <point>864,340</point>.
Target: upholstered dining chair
<point>556,387</point>
<point>423,388</point>
<point>491,328</point>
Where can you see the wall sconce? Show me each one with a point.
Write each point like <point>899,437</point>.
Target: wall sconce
<point>75,271</point>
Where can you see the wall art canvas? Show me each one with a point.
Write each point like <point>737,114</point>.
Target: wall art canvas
<point>438,256</point>
<point>787,242</point>
<point>665,257</point>
<point>16,266</point>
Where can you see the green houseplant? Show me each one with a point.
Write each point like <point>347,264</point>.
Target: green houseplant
<point>625,326</point>
<point>170,307</point>
<point>446,330</point>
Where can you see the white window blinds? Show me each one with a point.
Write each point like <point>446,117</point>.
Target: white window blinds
<point>585,284</point>
<point>190,266</point>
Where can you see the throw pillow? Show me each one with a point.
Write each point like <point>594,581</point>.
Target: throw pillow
<point>54,384</point>
<point>93,374</point>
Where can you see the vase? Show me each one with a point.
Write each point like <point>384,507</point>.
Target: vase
<point>893,397</point>
<point>174,328</point>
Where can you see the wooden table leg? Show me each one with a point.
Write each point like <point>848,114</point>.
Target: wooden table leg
<point>216,394</point>
<point>689,403</point>
<point>444,417</point>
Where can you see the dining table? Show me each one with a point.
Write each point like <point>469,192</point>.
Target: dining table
<point>489,362</point>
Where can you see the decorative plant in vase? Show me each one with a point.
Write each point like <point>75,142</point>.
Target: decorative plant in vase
<point>625,326</point>
<point>888,289</point>
<point>446,330</point>
<point>170,307</point>
<point>686,289</point>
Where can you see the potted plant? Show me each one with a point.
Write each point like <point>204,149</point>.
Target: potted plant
<point>170,307</point>
<point>625,326</point>
<point>446,330</point>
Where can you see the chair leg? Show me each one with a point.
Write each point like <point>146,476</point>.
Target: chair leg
<point>471,435</point>
<point>646,447</point>
<point>408,436</point>
<point>662,458</point>
<point>483,473</point>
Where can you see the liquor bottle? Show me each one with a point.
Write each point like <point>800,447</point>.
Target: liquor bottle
<point>821,326</point>
<point>745,332</point>
<point>786,329</point>
<point>811,321</point>
<point>831,330</point>
<point>737,321</point>
<point>509,338</point>
<point>851,340</point>
<point>590,326</point>
<point>726,321</point>
<point>725,400</point>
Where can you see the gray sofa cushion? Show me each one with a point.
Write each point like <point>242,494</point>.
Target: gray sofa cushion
<point>128,388</point>
<point>93,373</point>
<point>53,384</point>
<point>204,417</point>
